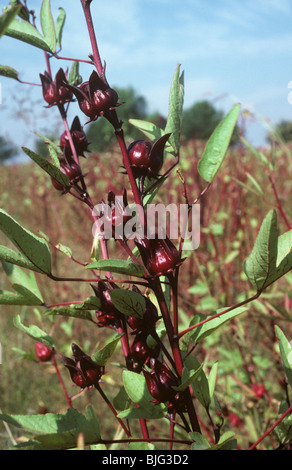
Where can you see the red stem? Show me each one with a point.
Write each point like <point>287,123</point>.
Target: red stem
<point>90,26</point>
<point>136,193</point>
<point>174,343</point>
<point>99,389</point>
<point>182,333</point>
<point>61,382</point>
<point>287,412</point>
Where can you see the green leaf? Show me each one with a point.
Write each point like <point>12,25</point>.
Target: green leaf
<point>7,17</point>
<point>64,249</point>
<point>118,266</point>
<point>212,378</point>
<point>217,146</point>
<point>80,310</point>
<point>206,329</point>
<point>102,356</point>
<point>226,442</point>
<point>286,353</point>
<point>283,430</point>
<point>200,442</point>
<point>74,77</point>
<point>136,388</point>
<point>128,302</point>
<point>199,383</point>
<point>8,72</point>
<point>175,111</point>
<point>34,248</point>
<point>188,376</point>
<point>21,281</point>
<point>11,256</point>
<point>149,129</point>
<point>59,26</point>
<point>26,32</point>
<point>69,311</point>
<point>271,257</point>
<point>34,332</point>
<point>256,185</point>
<point>47,24</point>
<point>56,431</point>
<point>48,167</point>
<point>258,154</point>
<point>22,297</point>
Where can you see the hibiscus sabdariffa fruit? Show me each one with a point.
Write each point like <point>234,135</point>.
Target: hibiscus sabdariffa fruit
<point>159,255</point>
<point>84,372</point>
<point>72,170</point>
<point>95,97</point>
<point>146,158</point>
<point>55,91</point>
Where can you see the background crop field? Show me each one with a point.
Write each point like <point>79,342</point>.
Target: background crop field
<point>212,277</point>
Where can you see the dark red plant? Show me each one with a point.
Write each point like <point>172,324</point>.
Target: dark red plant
<point>54,91</point>
<point>84,372</point>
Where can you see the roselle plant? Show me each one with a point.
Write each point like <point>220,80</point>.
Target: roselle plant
<point>134,296</point>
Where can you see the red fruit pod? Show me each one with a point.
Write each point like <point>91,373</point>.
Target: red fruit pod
<point>78,137</point>
<point>84,372</point>
<point>95,97</point>
<point>73,171</point>
<point>140,351</point>
<point>147,322</point>
<point>159,255</point>
<point>55,91</point>
<point>43,352</point>
<point>146,158</point>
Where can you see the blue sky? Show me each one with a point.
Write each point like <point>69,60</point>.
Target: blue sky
<point>230,51</point>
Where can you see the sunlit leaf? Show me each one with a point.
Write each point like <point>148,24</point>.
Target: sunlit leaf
<point>217,146</point>
<point>48,25</point>
<point>271,257</point>
<point>34,248</point>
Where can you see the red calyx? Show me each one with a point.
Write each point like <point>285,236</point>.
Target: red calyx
<point>43,352</point>
<point>95,97</point>
<point>146,158</point>
<point>160,382</point>
<point>84,372</point>
<point>159,256</point>
<point>78,137</point>
<point>73,171</point>
<point>55,91</point>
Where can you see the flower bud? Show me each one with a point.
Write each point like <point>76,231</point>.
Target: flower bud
<point>43,352</point>
<point>140,351</point>
<point>114,215</point>
<point>160,381</point>
<point>146,158</point>
<point>107,315</point>
<point>73,171</point>
<point>95,97</point>
<point>159,256</point>
<point>147,322</point>
<point>55,91</point>
<point>84,372</point>
<point>78,137</point>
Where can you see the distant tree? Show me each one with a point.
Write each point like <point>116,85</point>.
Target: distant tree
<point>7,150</point>
<point>200,120</point>
<point>100,133</point>
<point>281,133</point>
